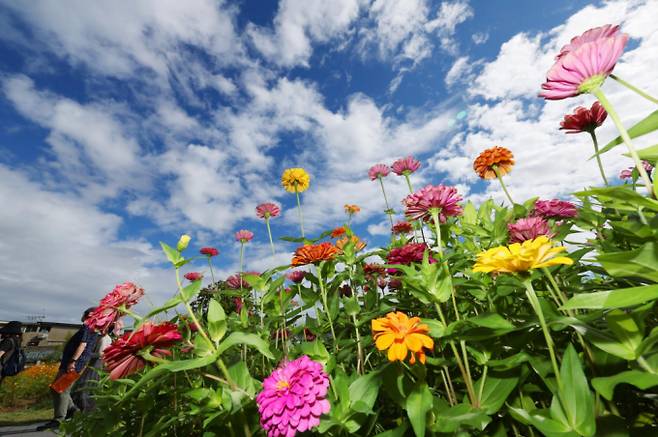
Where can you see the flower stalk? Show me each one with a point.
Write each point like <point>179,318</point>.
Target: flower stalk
<point>634,89</point>
<point>502,184</point>
<point>299,209</point>
<point>598,157</point>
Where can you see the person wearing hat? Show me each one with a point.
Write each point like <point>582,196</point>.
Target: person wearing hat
<point>11,337</point>
<point>75,357</point>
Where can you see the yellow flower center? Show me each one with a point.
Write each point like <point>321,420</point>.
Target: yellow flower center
<point>280,385</point>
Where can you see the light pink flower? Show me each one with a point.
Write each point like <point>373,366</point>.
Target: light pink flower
<point>583,65</point>
<point>441,198</point>
<point>267,210</point>
<point>293,398</point>
<point>555,208</point>
<point>628,173</point>
<point>378,171</point>
<point>528,229</point>
<point>405,166</point>
<point>244,236</point>
<point>590,35</point>
<point>583,119</point>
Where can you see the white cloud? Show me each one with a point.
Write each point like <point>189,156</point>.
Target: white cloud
<point>450,15</point>
<point>480,38</point>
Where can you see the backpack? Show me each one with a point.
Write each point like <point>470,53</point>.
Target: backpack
<point>15,363</point>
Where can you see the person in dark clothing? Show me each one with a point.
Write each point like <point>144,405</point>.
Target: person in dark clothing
<point>77,353</point>
<point>10,341</point>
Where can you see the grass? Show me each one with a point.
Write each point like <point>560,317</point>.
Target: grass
<point>23,415</point>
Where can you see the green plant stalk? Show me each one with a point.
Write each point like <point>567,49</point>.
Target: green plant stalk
<point>627,139</point>
<point>212,274</point>
<point>502,184</point>
<point>406,177</point>
<point>269,234</point>
<point>598,157</point>
<point>437,228</point>
<point>388,208</point>
<point>534,302</point>
<point>323,294</point>
<point>634,89</point>
<point>645,365</point>
<point>283,318</point>
<point>484,379</point>
<point>449,390</point>
<point>562,299</point>
<point>359,346</point>
<point>299,209</point>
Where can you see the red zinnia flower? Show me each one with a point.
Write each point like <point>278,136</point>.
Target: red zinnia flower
<point>337,232</point>
<point>237,281</point>
<point>407,254</point>
<point>405,166</point>
<point>402,228</point>
<point>193,276</point>
<point>583,119</point>
<point>123,358</point>
<point>209,251</point>
<point>555,208</point>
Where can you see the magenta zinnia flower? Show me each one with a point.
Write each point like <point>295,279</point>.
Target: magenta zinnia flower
<point>237,281</point>
<point>244,236</point>
<point>433,198</point>
<point>528,229</point>
<point>267,210</point>
<point>584,64</point>
<point>555,208</point>
<point>407,254</point>
<point>378,171</point>
<point>209,251</point>
<point>293,398</point>
<point>628,173</point>
<point>583,119</point>
<point>405,166</point>
<point>108,310</point>
<point>193,276</point>
<point>296,276</point>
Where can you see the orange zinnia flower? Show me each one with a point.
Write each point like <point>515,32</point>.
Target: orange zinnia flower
<point>352,209</point>
<point>337,232</point>
<point>400,334</point>
<point>497,156</point>
<point>358,243</point>
<point>313,253</point>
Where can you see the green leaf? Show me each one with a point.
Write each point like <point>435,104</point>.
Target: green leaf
<point>400,431</point>
<point>239,373</point>
<point>216,320</point>
<point>621,298</point>
<point>417,404</point>
<point>172,254</point>
<point>458,417</point>
<point>191,290</point>
<point>641,262</point>
<point>363,392</point>
<point>646,125</point>
<point>623,326</point>
<point>171,303</point>
<point>248,339</point>
<point>605,386</point>
<point>622,197</point>
<point>549,427</point>
<point>351,305</point>
<point>648,154</point>
<point>495,392</point>
<point>575,396</point>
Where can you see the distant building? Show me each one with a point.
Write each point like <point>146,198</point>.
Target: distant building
<point>46,334</point>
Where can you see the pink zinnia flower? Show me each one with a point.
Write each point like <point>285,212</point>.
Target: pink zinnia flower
<point>237,281</point>
<point>583,119</point>
<point>407,254</point>
<point>308,335</point>
<point>193,276</point>
<point>267,210</point>
<point>584,64</point>
<point>237,301</point>
<point>438,198</point>
<point>402,228</point>
<point>378,171</point>
<point>244,236</point>
<point>555,208</point>
<point>628,173</point>
<point>122,357</point>
<point>528,229</point>
<point>209,251</point>
<point>296,276</point>
<point>293,398</point>
<point>107,312</point>
<point>405,166</point>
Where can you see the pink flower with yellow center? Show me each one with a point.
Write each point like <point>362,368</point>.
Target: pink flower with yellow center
<point>405,166</point>
<point>378,171</point>
<point>244,236</point>
<point>267,210</point>
<point>433,199</point>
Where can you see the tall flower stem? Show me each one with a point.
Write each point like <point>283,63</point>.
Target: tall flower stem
<point>437,227</point>
<point>406,177</point>
<point>624,134</point>
<point>534,302</point>
<point>323,295</point>
<point>634,89</point>
<point>269,233</point>
<point>388,208</point>
<point>212,274</point>
<point>359,346</point>
<point>241,258</point>
<point>299,208</point>
<point>502,184</point>
<point>598,157</point>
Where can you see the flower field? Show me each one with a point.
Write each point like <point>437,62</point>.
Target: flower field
<point>29,387</point>
<point>532,317</point>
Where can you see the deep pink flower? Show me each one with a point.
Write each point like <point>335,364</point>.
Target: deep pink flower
<point>583,119</point>
<point>555,208</point>
<point>107,312</point>
<point>122,357</point>
<point>296,276</point>
<point>209,251</point>
<point>407,254</point>
<point>293,398</point>
<point>237,281</point>
<point>584,64</point>
<point>402,228</point>
<point>308,335</point>
<point>267,210</point>
<point>237,301</point>
<point>441,198</point>
<point>628,173</point>
<point>405,166</point>
<point>193,276</point>
<point>378,171</point>
<point>244,236</point>
<point>528,229</point>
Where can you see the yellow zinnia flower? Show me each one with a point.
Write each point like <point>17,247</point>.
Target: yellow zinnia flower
<point>400,334</point>
<point>295,180</point>
<point>531,254</point>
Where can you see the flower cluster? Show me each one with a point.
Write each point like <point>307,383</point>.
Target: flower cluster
<point>109,309</point>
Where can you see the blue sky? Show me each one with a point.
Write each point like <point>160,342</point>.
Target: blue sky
<point>125,124</point>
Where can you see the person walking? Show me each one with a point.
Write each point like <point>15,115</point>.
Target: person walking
<point>11,337</point>
<point>75,357</point>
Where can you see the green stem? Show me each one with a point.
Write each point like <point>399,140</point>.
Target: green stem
<point>437,227</point>
<point>502,184</point>
<point>562,297</point>
<point>299,209</point>
<point>212,274</point>
<point>406,177</point>
<point>483,380</point>
<point>388,208</point>
<point>269,233</point>
<point>534,302</point>
<point>323,294</point>
<point>624,134</point>
<point>598,157</point>
<point>634,89</point>
<point>359,346</point>
<point>645,365</point>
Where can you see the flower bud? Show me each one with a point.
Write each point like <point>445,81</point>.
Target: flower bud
<point>183,242</point>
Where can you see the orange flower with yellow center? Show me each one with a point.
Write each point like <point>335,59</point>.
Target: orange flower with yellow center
<point>495,158</point>
<point>314,253</point>
<point>352,209</point>
<point>400,335</point>
<point>359,244</point>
